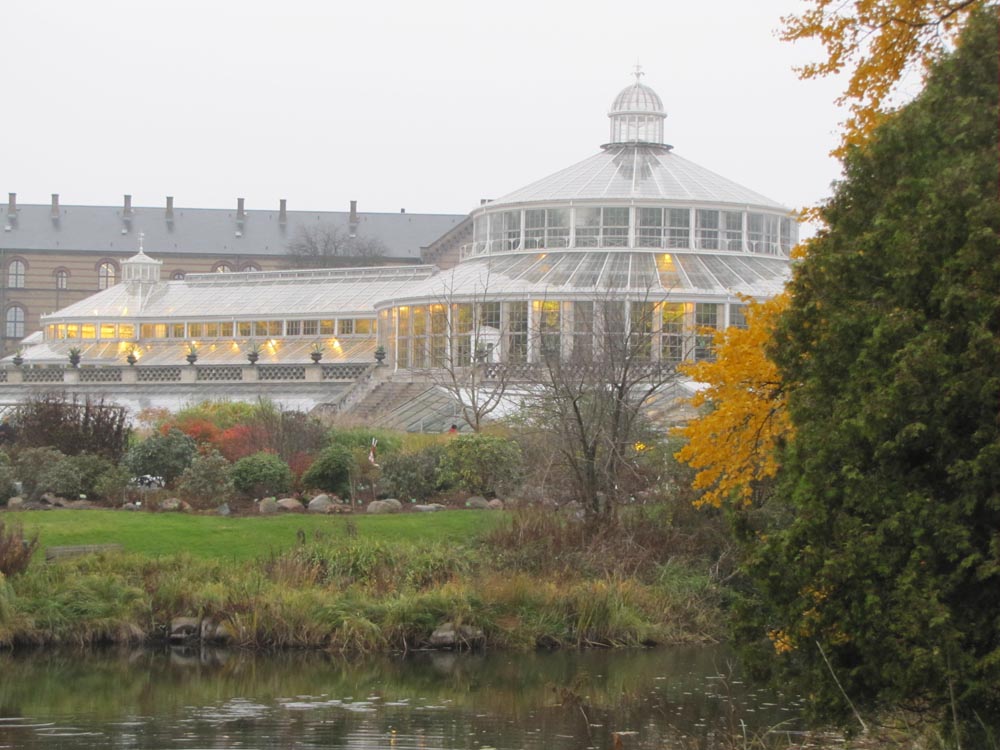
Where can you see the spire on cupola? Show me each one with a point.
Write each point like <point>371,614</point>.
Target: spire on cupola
<point>140,267</point>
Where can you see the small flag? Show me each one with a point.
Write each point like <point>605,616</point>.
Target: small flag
<point>372,452</point>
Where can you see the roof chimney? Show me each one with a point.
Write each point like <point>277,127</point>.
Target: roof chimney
<point>402,210</point>
<point>127,209</point>
<point>282,212</point>
<point>54,212</point>
<point>352,228</point>
<point>170,208</point>
<point>11,212</point>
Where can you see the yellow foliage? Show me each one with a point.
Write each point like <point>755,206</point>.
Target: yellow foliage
<point>733,445</point>
<point>878,41</point>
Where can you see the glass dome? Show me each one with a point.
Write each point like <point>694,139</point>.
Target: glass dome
<point>637,115</point>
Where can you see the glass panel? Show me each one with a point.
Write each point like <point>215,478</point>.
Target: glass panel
<point>326,328</point>
<point>293,327</point>
<point>345,327</point>
<point>212,330</point>
<point>274,328</point>
<point>641,317</point>
<point>720,268</point>
<point>73,331</point>
<point>643,273</point>
<point>583,331</point>
<point>669,278</point>
<point>738,316</point>
<point>614,230</point>
<point>677,232</point>
<point>732,231</point>
<point>534,229</point>
<point>616,273</point>
<point>226,330</point>
<point>364,326</point>
<point>310,327</point>
<point>706,315</point>
<point>564,267</point>
<point>517,336</point>
<point>696,272</point>
<point>588,226</point>
<point>650,230</point>
<point>549,327</point>
<point>195,330</point>
<point>126,331</point>
<point>557,227</point>
<point>177,330</point>
<point>706,229</point>
<point>108,331</point>
<point>755,232</point>
<point>243,328</point>
<point>672,337</point>
<point>589,271</point>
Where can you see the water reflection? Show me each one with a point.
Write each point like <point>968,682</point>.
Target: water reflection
<point>681,697</point>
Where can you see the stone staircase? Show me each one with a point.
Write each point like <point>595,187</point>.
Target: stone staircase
<point>385,398</point>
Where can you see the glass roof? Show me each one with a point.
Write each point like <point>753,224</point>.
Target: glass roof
<point>286,294</point>
<point>565,273</point>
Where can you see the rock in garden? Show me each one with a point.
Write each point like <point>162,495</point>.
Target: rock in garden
<point>319,504</point>
<point>291,505</point>
<point>267,506</point>
<point>15,503</point>
<point>394,503</point>
<point>495,504</point>
<point>224,633</point>
<point>130,506</point>
<point>223,510</point>
<point>429,508</point>
<point>477,503</point>
<point>447,635</point>
<point>172,504</point>
<point>381,506</point>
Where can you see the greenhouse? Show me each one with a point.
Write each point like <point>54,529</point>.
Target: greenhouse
<point>634,239</point>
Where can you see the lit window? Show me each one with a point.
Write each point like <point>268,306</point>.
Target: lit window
<point>126,331</point>
<point>15,274</point>
<point>62,278</point>
<point>15,322</point>
<point>108,331</point>
<point>106,275</point>
<point>345,327</point>
<point>88,331</point>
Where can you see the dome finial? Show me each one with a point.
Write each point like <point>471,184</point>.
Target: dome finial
<point>638,72</point>
<point>142,236</point>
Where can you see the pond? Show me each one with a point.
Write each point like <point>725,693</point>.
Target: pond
<point>680,697</point>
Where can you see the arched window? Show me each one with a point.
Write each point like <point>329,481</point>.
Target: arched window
<point>250,267</point>
<point>61,276</point>
<point>15,322</point>
<point>15,273</point>
<point>177,276</point>
<point>222,267</point>
<point>107,273</point>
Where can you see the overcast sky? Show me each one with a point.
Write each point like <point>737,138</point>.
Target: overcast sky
<point>427,106</point>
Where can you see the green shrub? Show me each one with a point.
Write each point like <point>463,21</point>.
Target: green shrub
<point>72,476</point>
<point>331,471</point>
<point>7,477</point>
<point>207,483</point>
<point>356,438</point>
<point>164,456</point>
<point>112,484</point>
<point>483,464</point>
<point>261,474</point>
<point>29,466</point>
<point>413,473</point>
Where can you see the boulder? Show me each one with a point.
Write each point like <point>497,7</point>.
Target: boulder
<point>79,505</point>
<point>447,635</point>
<point>393,502</point>
<point>338,508</point>
<point>381,506</point>
<point>477,503</point>
<point>15,503</point>
<point>224,633</point>
<point>495,504</point>
<point>184,628</point>
<point>429,508</point>
<point>172,505</point>
<point>319,504</point>
<point>267,506</point>
<point>291,505</point>
<point>223,510</point>
<point>130,506</point>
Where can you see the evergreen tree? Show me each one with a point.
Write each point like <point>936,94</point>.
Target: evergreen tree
<point>886,559</point>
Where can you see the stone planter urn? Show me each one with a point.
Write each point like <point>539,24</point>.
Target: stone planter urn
<point>380,355</point>
<point>252,357</point>
<point>18,360</point>
<point>131,359</point>
<point>191,358</point>
<point>316,356</point>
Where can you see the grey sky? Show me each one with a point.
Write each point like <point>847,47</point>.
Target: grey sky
<point>424,105</point>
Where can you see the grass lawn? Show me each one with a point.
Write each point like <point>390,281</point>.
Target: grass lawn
<point>239,538</point>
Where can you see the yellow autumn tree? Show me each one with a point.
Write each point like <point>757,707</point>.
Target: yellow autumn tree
<point>878,42</point>
<point>732,444</point>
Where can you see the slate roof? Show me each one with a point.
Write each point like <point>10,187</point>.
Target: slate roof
<point>205,231</point>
